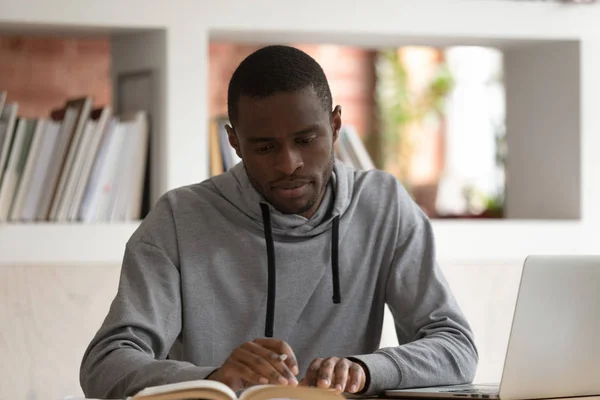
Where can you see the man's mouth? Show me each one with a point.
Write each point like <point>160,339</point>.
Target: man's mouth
<point>290,184</point>
<point>291,189</point>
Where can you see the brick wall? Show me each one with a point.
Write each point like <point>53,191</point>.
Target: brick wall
<point>349,70</point>
<point>41,72</point>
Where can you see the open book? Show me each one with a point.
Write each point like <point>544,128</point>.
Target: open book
<point>213,390</point>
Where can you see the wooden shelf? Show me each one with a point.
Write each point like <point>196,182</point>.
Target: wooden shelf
<point>59,244</point>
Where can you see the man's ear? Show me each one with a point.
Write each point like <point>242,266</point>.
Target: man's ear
<point>233,140</point>
<point>336,122</point>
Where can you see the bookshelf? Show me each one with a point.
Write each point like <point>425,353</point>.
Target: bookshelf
<point>173,45</point>
<point>171,38</point>
<point>63,233</point>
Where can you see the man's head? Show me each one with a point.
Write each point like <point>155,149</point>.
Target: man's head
<point>283,127</point>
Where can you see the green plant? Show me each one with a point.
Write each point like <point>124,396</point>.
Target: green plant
<point>478,203</point>
<point>398,107</point>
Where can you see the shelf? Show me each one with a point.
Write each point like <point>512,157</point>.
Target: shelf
<point>500,241</point>
<point>457,242</point>
<point>51,244</point>
<point>179,39</point>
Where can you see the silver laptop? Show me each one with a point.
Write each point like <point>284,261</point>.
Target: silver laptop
<point>554,344</point>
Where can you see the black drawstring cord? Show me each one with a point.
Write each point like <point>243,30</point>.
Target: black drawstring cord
<point>335,271</point>
<point>271,270</point>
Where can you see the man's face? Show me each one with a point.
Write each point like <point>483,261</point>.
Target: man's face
<point>286,143</point>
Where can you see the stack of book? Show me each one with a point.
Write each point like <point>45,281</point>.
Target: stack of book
<point>80,163</point>
<point>221,155</point>
<point>349,148</point>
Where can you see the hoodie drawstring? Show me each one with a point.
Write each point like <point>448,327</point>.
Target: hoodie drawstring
<point>335,268</point>
<point>271,266</point>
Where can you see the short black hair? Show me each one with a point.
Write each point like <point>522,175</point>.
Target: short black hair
<point>273,69</point>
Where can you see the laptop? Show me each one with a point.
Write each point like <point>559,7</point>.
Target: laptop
<point>554,343</point>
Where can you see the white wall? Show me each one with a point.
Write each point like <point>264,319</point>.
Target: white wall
<point>50,313</point>
<point>543,131</point>
<point>487,293</point>
<point>48,316</point>
<point>481,259</point>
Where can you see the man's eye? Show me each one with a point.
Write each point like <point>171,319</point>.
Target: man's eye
<point>306,140</point>
<point>265,149</point>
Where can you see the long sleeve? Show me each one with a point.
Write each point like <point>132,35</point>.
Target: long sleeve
<point>130,350</point>
<point>436,345</point>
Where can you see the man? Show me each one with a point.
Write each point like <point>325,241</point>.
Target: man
<point>278,271</point>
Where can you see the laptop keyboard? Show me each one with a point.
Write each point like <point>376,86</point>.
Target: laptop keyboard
<point>484,392</point>
<point>473,390</point>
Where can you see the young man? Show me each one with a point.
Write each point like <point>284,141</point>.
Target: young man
<point>278,271</point>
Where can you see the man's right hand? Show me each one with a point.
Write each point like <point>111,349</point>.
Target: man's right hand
<point>257,363</point>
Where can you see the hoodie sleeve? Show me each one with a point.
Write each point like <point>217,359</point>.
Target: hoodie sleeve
<point>130,350</point>
<point>436,342</point>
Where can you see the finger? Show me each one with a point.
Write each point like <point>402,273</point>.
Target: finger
<point>281,347</point>
<point>273,359</point>
<point>340,374</point>
<point>326,372</point>
<point>356,379</point>
<point>312,372</point>
<point>258,365</point>
<point>241,371</point>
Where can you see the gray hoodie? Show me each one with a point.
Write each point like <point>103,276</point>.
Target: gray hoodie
<point>213,265</point>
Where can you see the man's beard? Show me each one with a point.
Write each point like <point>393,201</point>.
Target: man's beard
<point>309,204</point>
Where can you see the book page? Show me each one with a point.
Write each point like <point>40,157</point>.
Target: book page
<point>188,386</point>
<point>275,392</point>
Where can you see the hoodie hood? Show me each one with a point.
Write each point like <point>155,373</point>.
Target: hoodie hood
<point>236,188</point>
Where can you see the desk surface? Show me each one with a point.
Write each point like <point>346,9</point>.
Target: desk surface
<point>398,398</point>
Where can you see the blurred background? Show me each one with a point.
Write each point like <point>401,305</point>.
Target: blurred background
<point>485,111</point>
<point>432,117</point>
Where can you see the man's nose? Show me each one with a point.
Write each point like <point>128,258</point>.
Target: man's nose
<point>288,161</point>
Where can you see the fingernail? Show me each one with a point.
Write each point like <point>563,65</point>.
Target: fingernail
<point>295,370</point>
<point>353,388</point>
<point>282,380</point>
<point>338,387</point>
<point>263,381</point>
<point>325,381</point>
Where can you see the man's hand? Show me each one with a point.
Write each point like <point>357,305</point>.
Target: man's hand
<point>262,361</point>
<point>337,373</point>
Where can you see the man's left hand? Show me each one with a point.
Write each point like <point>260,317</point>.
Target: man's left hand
<point>336,373</point>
